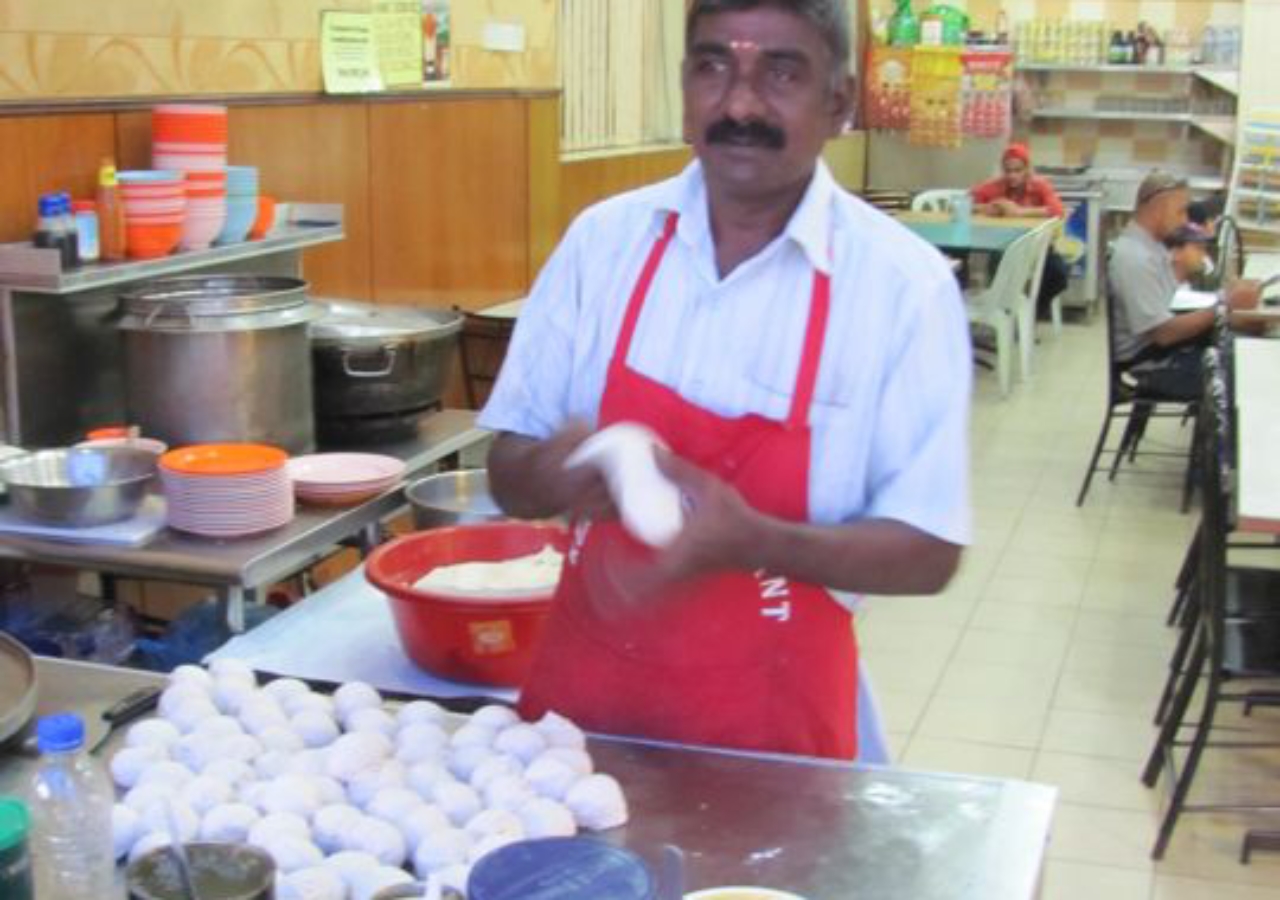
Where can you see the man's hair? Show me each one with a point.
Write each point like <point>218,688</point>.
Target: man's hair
<point>830,17</point>
<point>1157,183</point>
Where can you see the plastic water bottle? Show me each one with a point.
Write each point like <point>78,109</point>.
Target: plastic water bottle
<point>71,799</point>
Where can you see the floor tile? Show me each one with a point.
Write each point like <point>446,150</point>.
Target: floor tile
<point>1098,734</point>
<point>1023,618</point>
<point>1096,781</point>
<point>1008,724</point>
<point>1066,880</point>
<point>1093,834</point>
<point>996,683</point>
<point>933,754</point>
<point>901,710</point>
<point>1033,652</point>
<point>1174,888</point>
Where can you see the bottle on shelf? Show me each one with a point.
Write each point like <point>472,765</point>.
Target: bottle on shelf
<point>86,216</point>
<point>1116,51</point>
<point>67,228</point>
<point>46,234</point>
<point>71,798</point>
<point>111,231</point>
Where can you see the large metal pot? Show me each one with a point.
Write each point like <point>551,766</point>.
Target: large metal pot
<point>220,358</point>
<point>371,360</point>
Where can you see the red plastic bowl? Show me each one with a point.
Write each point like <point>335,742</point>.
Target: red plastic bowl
<point>480,641</point>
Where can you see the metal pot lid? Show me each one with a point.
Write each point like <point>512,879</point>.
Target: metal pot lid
<point>199,296</point>
<point>347,322</point>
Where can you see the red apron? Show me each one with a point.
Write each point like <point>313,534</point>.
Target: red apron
<point>734,659</point>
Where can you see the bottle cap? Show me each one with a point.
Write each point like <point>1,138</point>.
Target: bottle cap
<point>60,731</point>
<point>48,205</point>
<point>84,206</point>
<point>107,175</point>
<point>15,823</point>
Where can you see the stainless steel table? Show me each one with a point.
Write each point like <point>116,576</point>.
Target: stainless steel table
<point>826,831</point>
<point>240,566</point>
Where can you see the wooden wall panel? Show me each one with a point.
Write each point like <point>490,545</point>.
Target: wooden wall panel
<point>48,153</point>
<point>588,179</point>
<point>450,214</point>
<point>316,152</point>
<point>544,181</point>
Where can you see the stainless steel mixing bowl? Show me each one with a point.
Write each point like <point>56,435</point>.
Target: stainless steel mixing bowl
<point>79,487</point>
<point>453,498</point>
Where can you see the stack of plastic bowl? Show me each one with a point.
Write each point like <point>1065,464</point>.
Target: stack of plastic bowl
<point>226,490</point>
<point>186,136</point>
<point>155,206</point>
<point>206,207</point>
<point>242,203</point>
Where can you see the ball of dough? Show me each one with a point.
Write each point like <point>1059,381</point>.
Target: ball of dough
<point>190,714</point>
<point>310,702</point>
<point>495,821</point>
<point>362,787</point>
<point>291,794</point>
<point>487,844</point>
<point>142,796</point>
<point>473,735</point>
<point>271,764</point>
<point>235,772</point>
<point>357,752</point>
<point>455,877</point>
<point>309,762</point>
<point>236,669</point>
<point>381,839</point>
<point>279,823</point>
<point>291,852</point>
<point>260,713</point>
<point>421,821</point>
<point>217,727</point>
<point>280,688</point>
<point>331,825</point>
<point>522,741</point>
<point>230,694</point>
<point>457,801</point>
<point>348,862</point>
<point>494,717</point>
<point>463,761</point>
<point>244,747</point>
<point>551,777</point>
<point>421,742</point>
<point>204,792</point>
<point>156,817</point>
<point>152,733</point>
<point>424,777</point>
<point>544,818</point>
<point>281,737</point>
<point>129,763</point>
<point>355,695</point>
<point>329,789</point>
<point>420,712</point>
<point>315,728</point>
<point>192,675</point>
<point>148,842</point>
<point>166,772</point>
<point>597,802</point>
<point>176,695</point>
<point>126,828</point>
<point>578,760</point>
<point>195,752</point>
<point>440,849</point>
<point>560,732</point>
<point>371,719</point>
<point>365,883</point>
<point>228,823</point>
<point>393,803</point>
<point>312,883</point>
<point>494,766</point>
<point>509,792</point>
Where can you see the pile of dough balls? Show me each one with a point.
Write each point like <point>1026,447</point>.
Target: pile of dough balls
<point>348,794</point>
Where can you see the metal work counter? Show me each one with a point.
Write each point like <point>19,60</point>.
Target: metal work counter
<point>826,831</point>
<point>246,564</point>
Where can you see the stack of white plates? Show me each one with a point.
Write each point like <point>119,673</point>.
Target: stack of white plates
<point>341,478</point>
<point>227,490</point>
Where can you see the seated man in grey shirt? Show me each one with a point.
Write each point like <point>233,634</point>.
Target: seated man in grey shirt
<point>1160,349</point>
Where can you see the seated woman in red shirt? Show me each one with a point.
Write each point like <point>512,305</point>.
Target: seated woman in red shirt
<point>1019,192</point>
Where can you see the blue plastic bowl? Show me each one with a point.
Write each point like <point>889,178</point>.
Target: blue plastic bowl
<point>242,212</point>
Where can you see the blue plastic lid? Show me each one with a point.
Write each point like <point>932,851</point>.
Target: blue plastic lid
<point>48,205</point>
<point>59,732</point>
<point>560,869</point>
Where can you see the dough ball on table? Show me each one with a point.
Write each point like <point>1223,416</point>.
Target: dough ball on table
<point>371,719</point>
<point>279,689</point>
<point>494,717</point>
<point>329,789</point>
<point>312,702</point>
<point>597,802</point>
<point>176,695</point>
<point>190,714</point>
<point>364,786</point>
<point>495,821</point>
<point>357,752</point>
<point>144,795</point>
<point>195,752</point>
<point>152,733</point>
<point>522,741</point>
<point>331,825</point>
<point>228,823</point>
<point>544,818</point>
<point>457,801</point>
<point>578,760</point>
<point>496,765</point>
<point>463,761</point>
<point>560,732</point>
<point>218,727</point>
<point>473,735</point>
<point>166,773</point>
<point>355,695</point>
<point>279,823</point>
<point>312,883</point>
<point>126,828</point>
<point>381,839</point>
<point>420,712</point>
<point>393,803</point>
<point>315,728</point>
<point>367,882</point>
<point>455,877</point>
<point>281,737</point>
<point>313,761</point>
<point>192,675</point>
<point>272,764</point>
<point>424,777</point>
<point>291,852</point>
<point>155,817</point>
<point>440,849</point>
<point>257,714</point>
<point>235,772</point>
<point>148,842</point>
<point>128,764</point>
<point>204,792</point>
<point>233,669</point>
<point>487,845</point>
<point>509,792</point>
<point>291,794</point>
<point>230,694</point>
<point>421,742</point>
<point>421,821</point>
<point>244,747</point>
<point>551,777</point>
<point>348,862</point>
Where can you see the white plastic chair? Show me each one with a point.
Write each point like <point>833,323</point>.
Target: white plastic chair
<point>1026,316</point>
<point>1055,305</point>
<point>936,199</point>
<point>1003,306</point>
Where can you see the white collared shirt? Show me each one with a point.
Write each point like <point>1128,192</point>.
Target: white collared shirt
<point>891,408</point>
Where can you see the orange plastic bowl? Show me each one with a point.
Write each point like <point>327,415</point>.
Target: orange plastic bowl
<point>489,641</point>
<point>151,241</point>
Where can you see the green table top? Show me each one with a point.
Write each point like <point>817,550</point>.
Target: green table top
<point>953,237</point>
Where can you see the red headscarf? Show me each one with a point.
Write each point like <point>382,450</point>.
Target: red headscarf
<point>1017,151</point>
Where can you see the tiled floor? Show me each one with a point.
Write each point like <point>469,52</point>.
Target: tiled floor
<point>1044,658</point>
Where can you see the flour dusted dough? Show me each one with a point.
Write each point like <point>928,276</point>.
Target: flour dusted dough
<point>536,573</point>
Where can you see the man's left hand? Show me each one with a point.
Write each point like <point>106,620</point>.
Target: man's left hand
<point>719,526</point>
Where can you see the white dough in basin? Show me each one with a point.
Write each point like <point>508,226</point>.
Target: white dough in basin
<point>649,504</point>
<point>535,573</point>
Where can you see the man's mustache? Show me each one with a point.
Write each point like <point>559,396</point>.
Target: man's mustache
<point>752,133</point>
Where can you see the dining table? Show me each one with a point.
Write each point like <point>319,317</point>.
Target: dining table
<point>1257,372</point>
<point>981,234</point>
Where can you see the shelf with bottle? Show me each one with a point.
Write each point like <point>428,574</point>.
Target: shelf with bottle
<point>1108,115</point>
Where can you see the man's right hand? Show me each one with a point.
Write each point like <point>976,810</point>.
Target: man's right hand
<point>529,479</point>
<point>1244,295</point>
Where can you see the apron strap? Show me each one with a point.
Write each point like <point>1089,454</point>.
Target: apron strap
<point>641,290</point>
<point>811,352</point>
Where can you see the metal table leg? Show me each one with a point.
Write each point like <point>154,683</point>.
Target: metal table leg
<point>232,599</point>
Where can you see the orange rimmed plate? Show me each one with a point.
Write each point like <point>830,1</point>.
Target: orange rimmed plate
<point>224,459</point>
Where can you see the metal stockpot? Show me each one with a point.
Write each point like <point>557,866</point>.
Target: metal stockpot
<point>220,358</point>
<point>374,360</point>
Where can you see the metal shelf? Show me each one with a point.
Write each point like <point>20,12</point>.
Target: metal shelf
<point>1222,128</point>
<point>1105,67</point>
<point>1223,79</point>
<point>1053,112</point>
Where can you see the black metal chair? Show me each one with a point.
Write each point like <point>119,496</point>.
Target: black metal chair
<point>1235,634</point>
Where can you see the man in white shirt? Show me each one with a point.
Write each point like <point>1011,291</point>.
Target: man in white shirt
<point>807,362</point>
